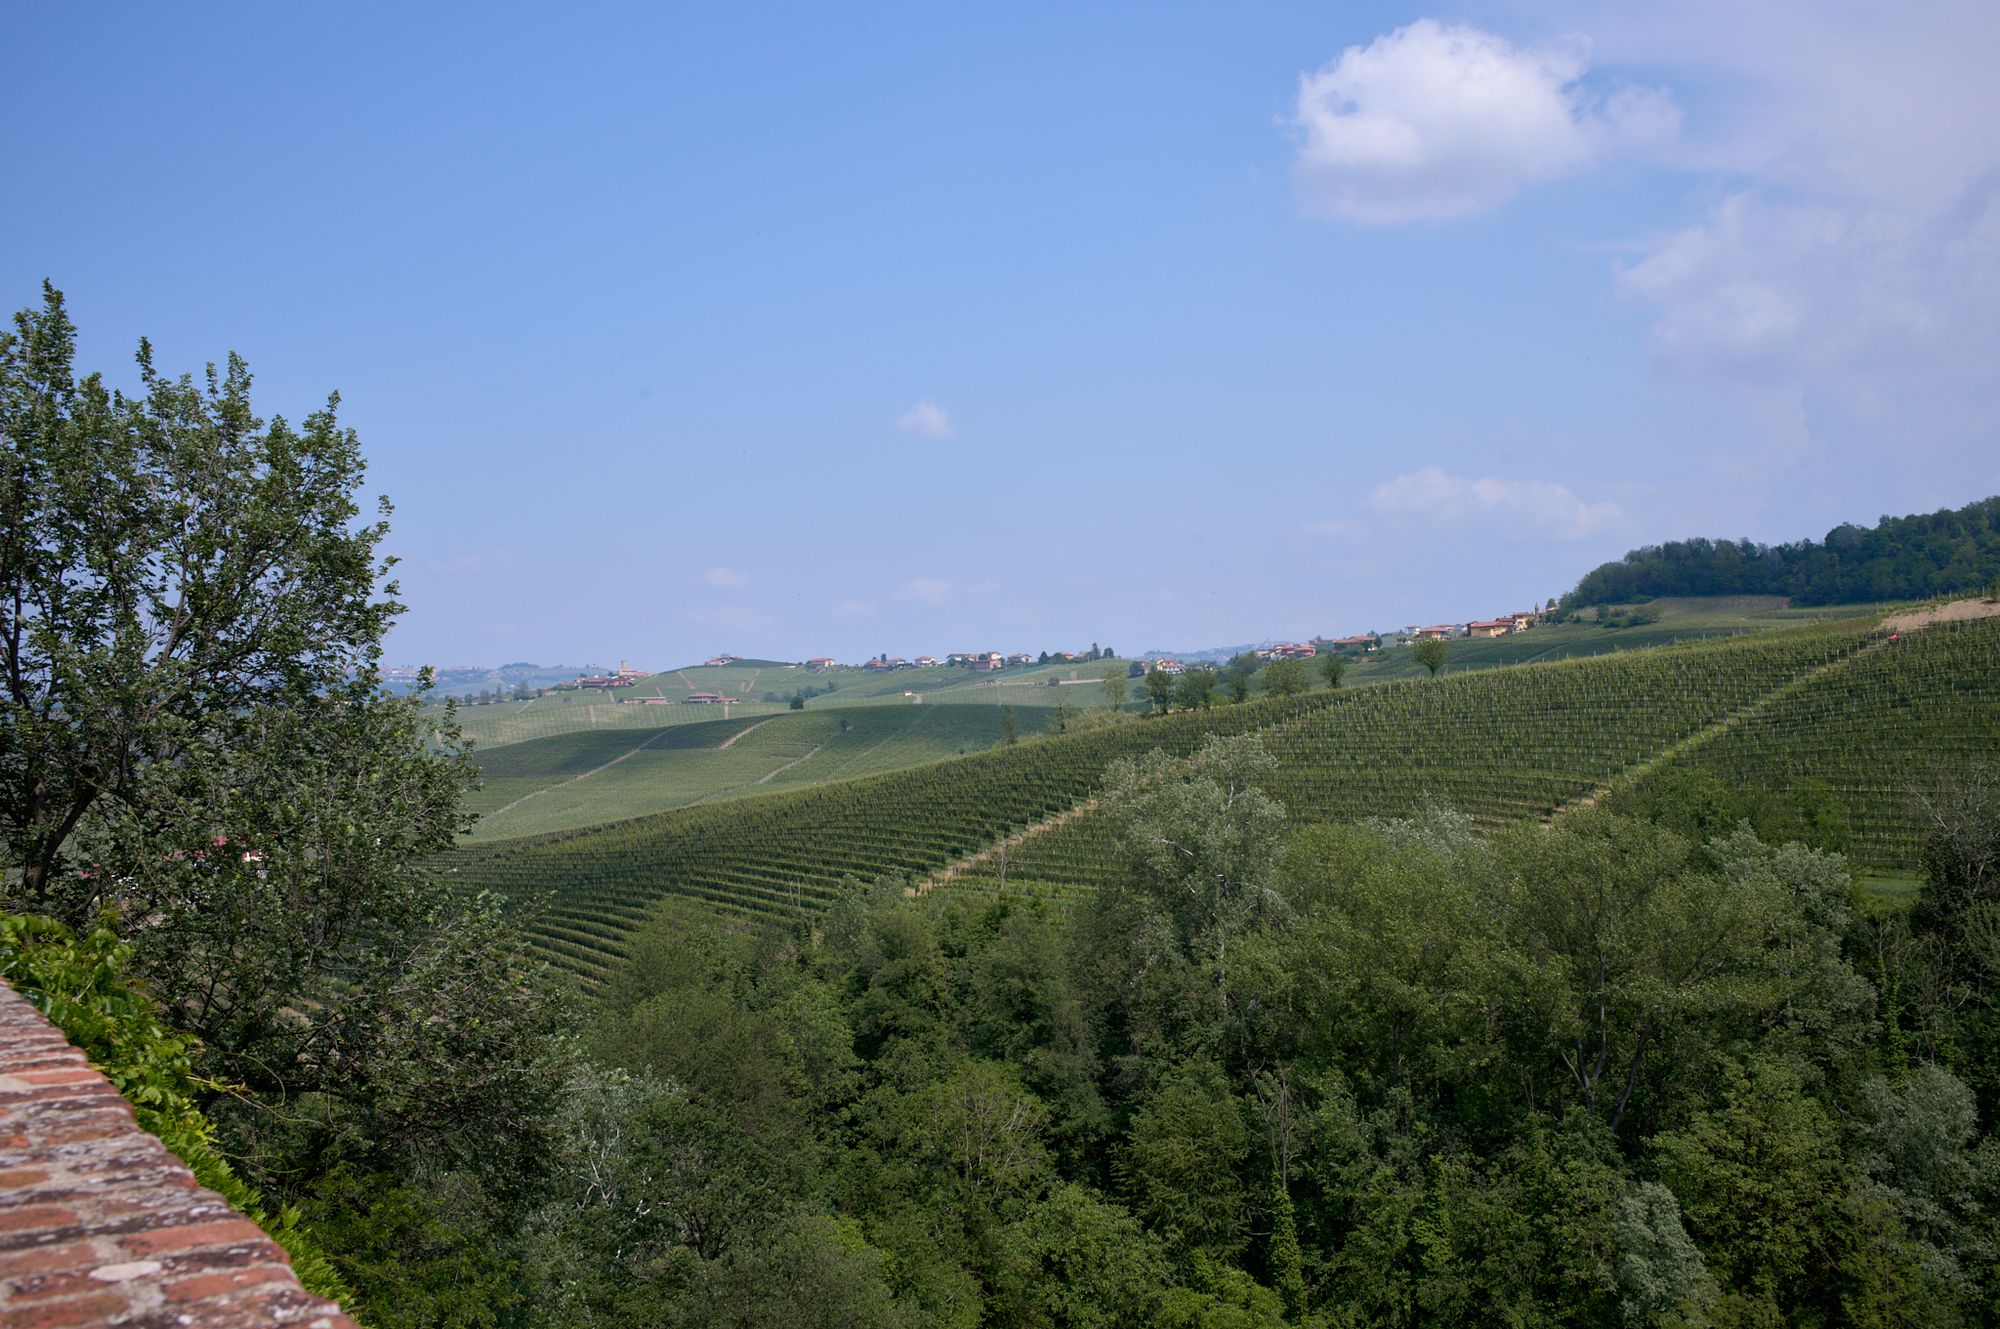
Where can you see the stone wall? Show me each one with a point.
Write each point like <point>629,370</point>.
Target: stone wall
<point>101,1225</point>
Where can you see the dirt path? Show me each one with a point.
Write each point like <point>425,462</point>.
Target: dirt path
<point>973,862</point>
<point>770,776</point>
<point>1958,611</point>
<point>730,742</point>
<point>1710,732</point>
<point>585,776</point>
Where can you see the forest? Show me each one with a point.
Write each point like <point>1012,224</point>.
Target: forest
<point>1901,558</point>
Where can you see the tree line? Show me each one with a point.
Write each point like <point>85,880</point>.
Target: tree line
<point>1948,552</point>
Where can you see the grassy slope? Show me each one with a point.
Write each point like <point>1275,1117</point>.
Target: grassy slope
<point>567,781</point>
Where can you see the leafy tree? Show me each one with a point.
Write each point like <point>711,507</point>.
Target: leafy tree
<point>798,702</point>
<point>1196,689</point>
<point>1285,678</point>
<point>169,565</point>
<point>1114,686</point>
<point>1010,726</point>
<point>1236,677</point>
<point>1431,653</point>
<point>1159,689</point>
<point>1332,666</point>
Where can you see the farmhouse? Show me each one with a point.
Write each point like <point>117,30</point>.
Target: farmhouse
<point>1492,627</point>
<point>1020,658</point>
<point>1362,644</point>
<point>927,662</point>
<point>1164,666</point>
<point>1293,650</point>
<point>708,699</point>
<point>820,663</point>
<point>620,680</point>
<point>1436,632</point>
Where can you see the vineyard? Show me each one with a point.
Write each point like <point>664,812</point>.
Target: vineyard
<point>1501,745</point>
<point>783,852</point>
<point>1877,734</point>
<point>1836,702</point>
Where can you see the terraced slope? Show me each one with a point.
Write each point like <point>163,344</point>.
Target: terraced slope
<point>1877,734</point>
<point>1499,744</point>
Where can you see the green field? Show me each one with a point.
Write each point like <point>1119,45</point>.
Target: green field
<point>499,723</point>
<point>586,778</point>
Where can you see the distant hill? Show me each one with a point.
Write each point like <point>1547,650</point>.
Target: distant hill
<point>1903,558</point>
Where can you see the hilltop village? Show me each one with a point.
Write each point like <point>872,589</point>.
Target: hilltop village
<point>1365,643</point>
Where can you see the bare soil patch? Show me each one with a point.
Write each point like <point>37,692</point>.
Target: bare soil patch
<point>1958,611</point>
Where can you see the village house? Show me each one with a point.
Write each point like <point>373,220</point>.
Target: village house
<point>1435,632</point>
<point>1164,666</point>
<point>927,662</point>
<point>819,664</point>
<point>1360,645</point>
<point>990,660</point>
<point>1492,627</point>
<point>1020,658</point>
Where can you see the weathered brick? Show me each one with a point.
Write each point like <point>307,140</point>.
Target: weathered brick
<point>100,1224</point>
<point>193,1236</point>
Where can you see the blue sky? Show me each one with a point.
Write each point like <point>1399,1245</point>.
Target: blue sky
<point>792,332</point>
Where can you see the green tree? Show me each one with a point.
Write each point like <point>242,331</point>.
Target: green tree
<point>1285,678</point>
<point>1114,686</point>
<point>1196,689</point>
<point>1159,689</point>
<point>798,702</point>
<point>1242,668</point>
<point>1431,653</point>
<point>1010,726</point>
<point>170,565</point>
<point>1331,666</point>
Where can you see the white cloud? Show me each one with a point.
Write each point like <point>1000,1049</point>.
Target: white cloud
<point>726,579</point>
<point>928,590</point>
<point>1437,121</point>
<point>1525,507</point>
<point>927,420</point>
<point>473,562</point>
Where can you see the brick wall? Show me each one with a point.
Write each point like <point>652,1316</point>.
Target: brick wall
<point>101,1225</point>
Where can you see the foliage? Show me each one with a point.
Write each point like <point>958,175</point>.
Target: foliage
<point>1902,558</point>
<point>172,568</point>
<point>78,981</point>
<point>1431,653</point>
<point>1332,666</point>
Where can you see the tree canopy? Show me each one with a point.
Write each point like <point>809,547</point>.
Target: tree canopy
<point>1901,558</point>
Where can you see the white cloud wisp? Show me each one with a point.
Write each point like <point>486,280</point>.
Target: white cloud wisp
<point>1435,122</point>
<point>1529,508</point>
